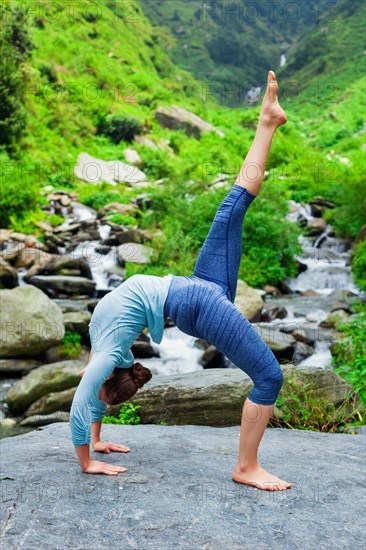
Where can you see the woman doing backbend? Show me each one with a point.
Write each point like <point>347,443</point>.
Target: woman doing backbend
<point>200,305</point>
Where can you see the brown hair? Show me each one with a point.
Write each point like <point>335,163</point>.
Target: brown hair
<point>124,383</point>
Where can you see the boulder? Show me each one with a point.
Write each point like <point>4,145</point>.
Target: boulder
<point>30,322</point>
<point>52,402</point>
<point>117,208</point>
<point>77,321</point>
<point>302,351</point>
<point>42,381</point>
<point>215,397</point>
<point>143,140</point>
<point>16,367</point>
<point>57,265</point>
<point>248,301</point>
<point>177,118</point>
<point>12,251</point>
<point>93,170</point>
<point>8,275</point>
<point>177,492</point>
<point>64,284</point>
<point>142,349</point>
<point>45,419</point>
<point>132,157</point>
<point>272,312</point>
<point>316,226</point>
<point>281,343</point>
<point>134,253</point>
<point>334,318</point>
<point>212,358</point>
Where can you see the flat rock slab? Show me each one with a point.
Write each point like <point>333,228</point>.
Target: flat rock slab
<point>178,492</point>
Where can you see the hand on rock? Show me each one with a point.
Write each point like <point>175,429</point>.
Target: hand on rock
<point>108,446</point>
<point>96,467</point>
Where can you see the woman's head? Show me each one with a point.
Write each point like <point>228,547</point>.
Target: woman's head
<point>124,383</point>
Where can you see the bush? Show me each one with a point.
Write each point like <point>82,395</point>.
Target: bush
<point>118,128</point>
<point>359,265</point>
<point>349,356</point>
<point>127,415</point>
<point>71,345</point>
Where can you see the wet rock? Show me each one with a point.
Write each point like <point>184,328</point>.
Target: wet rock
<point>30,322</point>
<point>134,253</point>
<point>282,344</point>
<point>68,305</point>
<point>56,265</point>
<point>142,349</point>
<point>302,351</point>
<point>334,318</point>
<point>42,381</point>
<point>272,290</point>
<point>52,402</point>
<point>212,358</point>
<point>310,292</point>
<point>45,419</point>
<point>77,321</point>
<point>270,313</point>
<point>248,301</point>
<point>17,366</point>
<point>177,118</point>
<point>12,251</point>
<point>133,236</point>
<point>8,275</point>
<point>316,226</point>
<point>64,284</point>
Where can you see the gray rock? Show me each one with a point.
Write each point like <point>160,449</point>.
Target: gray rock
<point>143,349</point>
<point>45,419</point>
<point>134,253</point>
<point>281,343</point>
<point>119,208</point>
<point>8,275</point>
<point>334,318</point>
<point>248,301</point>
<point>316,226</point>
<point>177,118</point>
<point>302,351</point>
<point>12,251</point>
<point>95,170</point>
<point>18,366</point>
<point>30,322</point>
<point>42,381</point>
<point>212,358</point>
<point>215,397</point>
<point>77,321</point>
<point>178,493</point>
<point>272,312</point>
<point>52,402</point>
<point>64,284</point>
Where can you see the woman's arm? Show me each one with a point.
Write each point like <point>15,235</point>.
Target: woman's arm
<point>94,466</point>
<point>104,446</point>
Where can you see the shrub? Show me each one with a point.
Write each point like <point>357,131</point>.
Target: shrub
<point>71,345</point>
<point>119,127</point>
<point>127,415</point>
<point>359,265</point>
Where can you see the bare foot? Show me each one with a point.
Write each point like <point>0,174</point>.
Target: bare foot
<point>260,478</point>
<point>272,113</point>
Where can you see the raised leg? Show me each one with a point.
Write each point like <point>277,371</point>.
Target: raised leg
<point>220,255</point>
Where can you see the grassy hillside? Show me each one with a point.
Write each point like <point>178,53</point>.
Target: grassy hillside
<point>88,65</point>
<point>231,45</point>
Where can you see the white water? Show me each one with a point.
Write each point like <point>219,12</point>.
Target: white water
<point>177,354</point>
<point>283,60</point>
<point>320,358</point>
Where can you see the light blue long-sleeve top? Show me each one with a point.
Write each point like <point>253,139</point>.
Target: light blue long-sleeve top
<point>117,320</point>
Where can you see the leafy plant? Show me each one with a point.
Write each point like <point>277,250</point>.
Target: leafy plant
<point>119,127</point>
<point>359,265</point>
<point>71,345</point>
<point>305,409</point>
<point>349,355</point>
<point>127,415</point>
<point>120,219</point>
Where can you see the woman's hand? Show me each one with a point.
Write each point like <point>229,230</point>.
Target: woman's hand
<point>107,447</point>
<point>96,467</point>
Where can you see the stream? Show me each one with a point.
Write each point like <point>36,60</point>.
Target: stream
<point>325,262</point>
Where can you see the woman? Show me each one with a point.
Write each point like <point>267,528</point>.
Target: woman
<point>200,305</point>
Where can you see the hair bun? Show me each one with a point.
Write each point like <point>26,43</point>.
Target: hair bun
<point>141,375</point>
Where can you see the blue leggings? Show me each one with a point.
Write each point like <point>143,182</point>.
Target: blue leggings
<point>202,305</point>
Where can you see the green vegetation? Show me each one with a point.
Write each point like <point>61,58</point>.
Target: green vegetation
<point>71,345</point>
<point>359,265</point>
<point>349,356</point>
<point>306,409</point>
<point>127,415</point>
<point>89,90</point>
